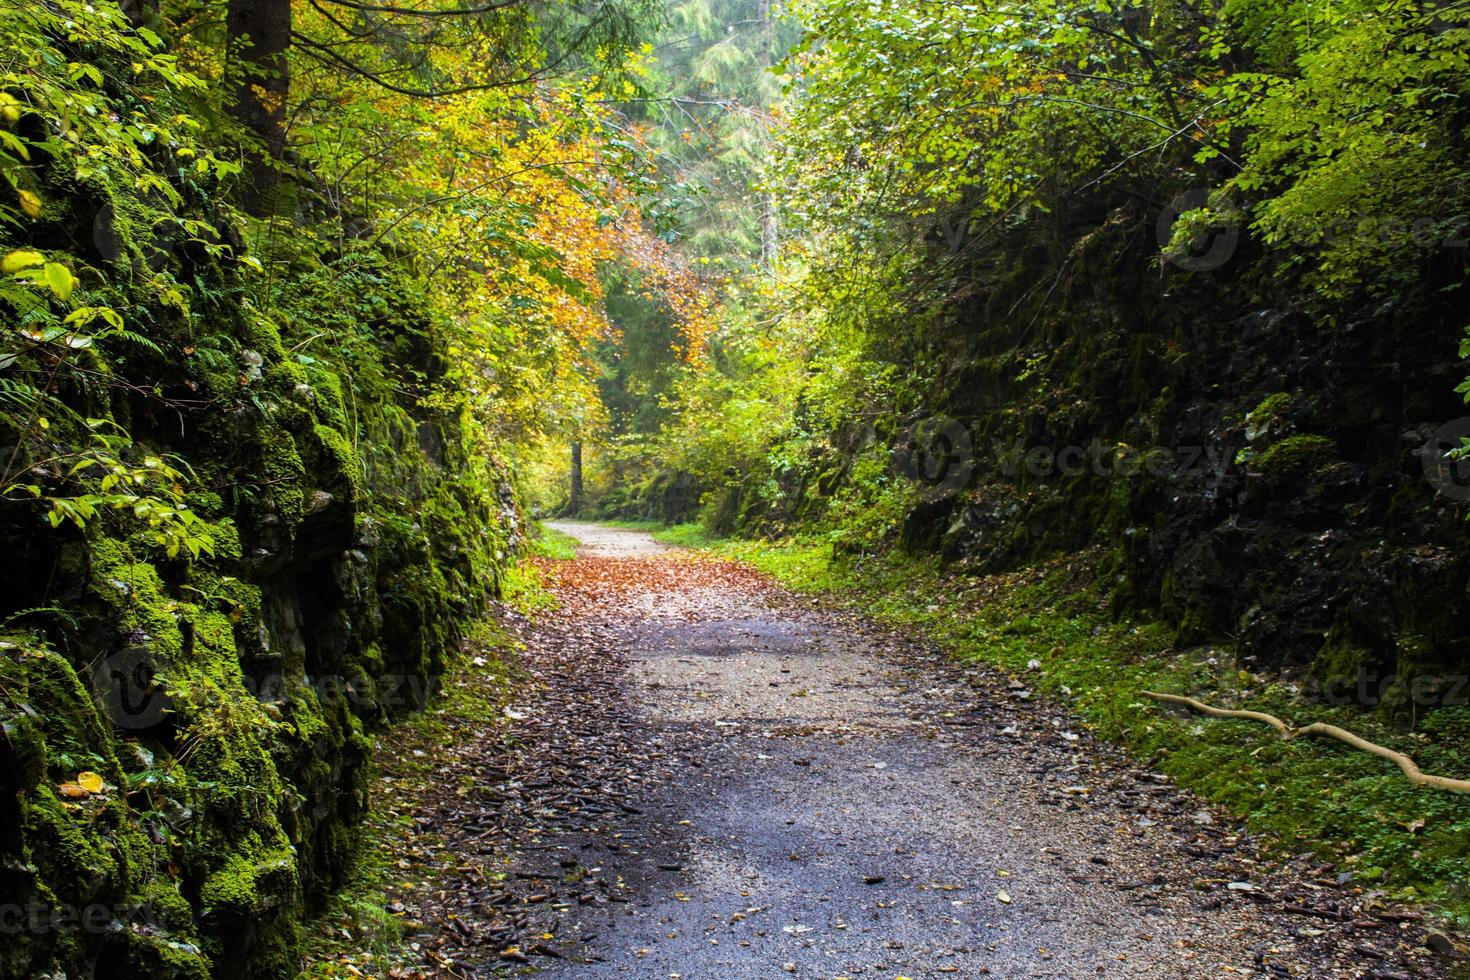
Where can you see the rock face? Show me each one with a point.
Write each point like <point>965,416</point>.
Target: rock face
<point>185,740</point>
<point>668,496</point>
<point>1254,463</point>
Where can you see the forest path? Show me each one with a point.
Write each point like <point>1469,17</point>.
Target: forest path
<point>713,781</point>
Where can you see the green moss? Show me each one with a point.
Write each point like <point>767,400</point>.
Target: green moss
<point>1292,457</point>
<point>285,377</point>
<point>1268,418</point>
<point>28,748</point>
<point>67,724</point>
<point>76,863</point>
<point>134,593</point>
<point>282,473</point>
<point>238,809</point>
<point>224,769</point>
<point>232,888</point>
<point>330,403</point>
<point>1339,660</point>
<point>152,955</point>
<point>226,541</point>
<point>339,464</point>
<point>1411,681</point>
<point>262,336</point>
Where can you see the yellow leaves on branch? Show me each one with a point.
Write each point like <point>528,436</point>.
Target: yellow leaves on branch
<point>268,101</point>
<point>584,233</point>
<point>670,279</point>
<point>512,202</point>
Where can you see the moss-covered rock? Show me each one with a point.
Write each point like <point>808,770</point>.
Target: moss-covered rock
<point>226,699</point>
<point>1293,458</point>
<point>1250,453</point>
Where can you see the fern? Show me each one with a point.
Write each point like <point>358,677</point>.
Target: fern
<point>17,395</point>
<point>64,616</point>
<point>213,359</point>
<point>139,340</point>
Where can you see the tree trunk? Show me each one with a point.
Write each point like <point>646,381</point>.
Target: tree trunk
<point>770,232</point>
<point>770,217</point>
<point>260,33</point>
<point>574,507</point>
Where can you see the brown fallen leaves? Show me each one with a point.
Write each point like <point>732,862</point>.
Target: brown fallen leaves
<point>675,584</point>
<point>86,784</point>
<point>488,821</point>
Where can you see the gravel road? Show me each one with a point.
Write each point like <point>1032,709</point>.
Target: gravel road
<point>715,781</point>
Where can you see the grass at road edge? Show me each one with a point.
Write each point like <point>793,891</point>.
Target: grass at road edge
<point>1050,627</point>
<point>360,933</point>
<point>548,542</point>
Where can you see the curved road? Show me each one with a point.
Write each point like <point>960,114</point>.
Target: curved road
<point>860,808</point>
<point>703,778</point>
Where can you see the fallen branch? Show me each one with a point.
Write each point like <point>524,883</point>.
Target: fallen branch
<point>1407,765</point>
<point>1308,910</point>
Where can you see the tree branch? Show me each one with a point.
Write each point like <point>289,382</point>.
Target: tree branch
<point>1410,769</point>
<point>411,12</point>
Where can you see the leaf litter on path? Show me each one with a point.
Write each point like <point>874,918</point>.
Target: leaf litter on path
<point>524,834</point>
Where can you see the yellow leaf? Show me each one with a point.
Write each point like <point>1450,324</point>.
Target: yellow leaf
<point>1004,897</point>
<point>30,202</point>
<point>21,258</point>
<point>60,279</point>
<point>10,110</point>
<point>89,781</point>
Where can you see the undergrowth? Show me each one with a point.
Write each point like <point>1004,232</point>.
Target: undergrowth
<point>523,587</point>
<point>548,542</point>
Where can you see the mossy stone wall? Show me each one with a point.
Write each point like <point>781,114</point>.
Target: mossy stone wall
<point>1250,455</point>
<point>226,703</point>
